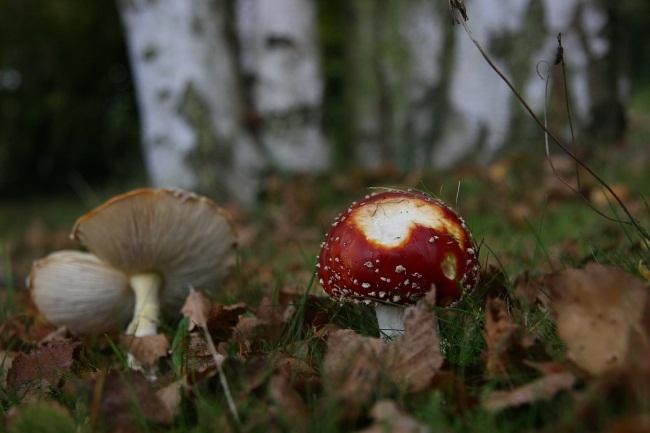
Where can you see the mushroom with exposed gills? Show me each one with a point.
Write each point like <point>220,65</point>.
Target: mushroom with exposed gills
<point>161,242</point>
<point>391,248</point>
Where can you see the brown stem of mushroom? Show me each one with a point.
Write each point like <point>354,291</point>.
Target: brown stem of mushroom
<point>146,312</point>
<point>390,319</point>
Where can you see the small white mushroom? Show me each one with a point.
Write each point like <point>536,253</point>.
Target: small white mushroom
<point>80,291</point>
<point>157,243</point>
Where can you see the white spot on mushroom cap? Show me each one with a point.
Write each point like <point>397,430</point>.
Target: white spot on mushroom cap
<point>400,269</point>
<point>390,220</point>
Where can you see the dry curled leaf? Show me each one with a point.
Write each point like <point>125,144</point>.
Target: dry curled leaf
<point>388,418</point>
<point>355,364</point>
<point>148,349</point>
<point>196,308</point>
<point>44,366</point>
<point>417,356</point>
<point>544,388</point>
<point>352,367</point>
<point>598,310</point>
<point>500,331</point>
<point>222,319</point>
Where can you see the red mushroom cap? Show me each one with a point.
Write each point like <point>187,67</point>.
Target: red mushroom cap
<point>393,246</point>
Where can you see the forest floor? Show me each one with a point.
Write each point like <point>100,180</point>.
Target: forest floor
<point>549,340</point>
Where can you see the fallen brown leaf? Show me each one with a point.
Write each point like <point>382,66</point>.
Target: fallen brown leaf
<point>44,366</point>
<point>597,310</point>
<point>148,349</point>
<point>196,308</point>
<point>500,333</point>
<point>354,365</point>
<point>544,388</point>
<point>127,399</point>
<point>351,368</point>
<point>254,332</point>
<point>291,406</point>
<point>388,418</point>
<point>222,319</point>
<point>199,361</point>
<point>170,396</point>
<point>23,329</point>
<point>417,356</point>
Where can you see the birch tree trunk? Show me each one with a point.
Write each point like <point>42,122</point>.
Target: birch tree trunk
<point>230,89</point>
<point>189,97</point>
<point>226,90</point>
<point>422,96</point>
<point>280,61</point>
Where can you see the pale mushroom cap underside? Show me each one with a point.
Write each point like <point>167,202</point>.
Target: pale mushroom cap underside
<point>79,291</point>
<point>185,238</point>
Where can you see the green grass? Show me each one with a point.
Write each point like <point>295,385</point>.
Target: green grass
<point>556,234</point>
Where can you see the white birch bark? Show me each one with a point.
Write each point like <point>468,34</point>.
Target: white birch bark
<point>226,94</point>
<point>484,109</point>
<point>188,96</point>
<point>281,61</point>
<point>421,89</point>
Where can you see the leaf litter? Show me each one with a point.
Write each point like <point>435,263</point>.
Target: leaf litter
<point>355,365</point>
<point>295,361</point>
<point>598,311</point>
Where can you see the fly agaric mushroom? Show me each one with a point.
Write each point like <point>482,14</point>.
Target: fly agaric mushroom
<point>162,242</point>
<point>393,247</point>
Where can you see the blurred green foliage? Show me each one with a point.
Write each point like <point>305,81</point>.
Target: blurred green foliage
<point>635,17</point>
<point>67,109</point>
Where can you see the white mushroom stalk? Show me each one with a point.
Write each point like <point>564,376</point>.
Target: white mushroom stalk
<point>146,247</point>
<point>146,313</point>
<point>390,319</point>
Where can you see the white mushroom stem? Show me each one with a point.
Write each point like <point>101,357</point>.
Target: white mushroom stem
<point>147,304</point>
<point>390,319</point>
